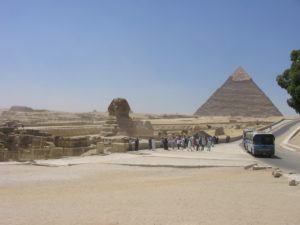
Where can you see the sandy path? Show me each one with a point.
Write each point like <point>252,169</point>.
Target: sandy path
<point>97,194</point>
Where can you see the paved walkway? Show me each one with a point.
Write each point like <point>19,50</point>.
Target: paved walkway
<point>226,155</point>
<point>221,155</point>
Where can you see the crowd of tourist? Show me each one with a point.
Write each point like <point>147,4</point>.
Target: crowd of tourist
<point>191,143</point>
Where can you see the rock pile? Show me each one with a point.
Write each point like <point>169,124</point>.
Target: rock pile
<point>277,173</point>
<point>293,182</point>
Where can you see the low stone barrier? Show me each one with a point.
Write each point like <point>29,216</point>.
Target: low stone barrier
<point>3,155</point>
<point>42,153</point>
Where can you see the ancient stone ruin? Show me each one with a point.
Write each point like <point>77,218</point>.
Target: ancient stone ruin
<point>239,96</point>
<point>119,128</point>
<point>118,122</point>
<point>17,143</point>
<point>110,127</point>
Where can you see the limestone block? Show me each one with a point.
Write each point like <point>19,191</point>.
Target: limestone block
<point>119,147</point>
<point>3,154</point>
<point>250,166</point>
<point>39,142</point>
<point>35,132</point>
<point>2,136</point>
<point>77,151</point>
<point>277,173</point>
<point>260,167</point>
<point>25,140</point>
<point>72,142</point>
<point>67,152</point>
<point>39,153</point>
<point>293,182</point>
<point>100,148</point>
<point>56,152</point>
<point>219,131</point>
<point>12,142</point>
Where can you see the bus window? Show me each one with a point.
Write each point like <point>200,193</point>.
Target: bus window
<point>263,140</point>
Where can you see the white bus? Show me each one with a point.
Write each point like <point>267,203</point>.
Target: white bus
<point>259,143</point>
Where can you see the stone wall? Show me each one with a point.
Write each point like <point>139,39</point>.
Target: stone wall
<point>71,142</point>
<point>41,153</point>
<point>3,154</point>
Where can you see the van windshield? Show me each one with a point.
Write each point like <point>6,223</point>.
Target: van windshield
<point>264,139</point>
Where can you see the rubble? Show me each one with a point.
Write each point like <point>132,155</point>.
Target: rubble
<point>257,167</point>
<point>277,173</point>
<point>293,182</point>
<point>250,166</point>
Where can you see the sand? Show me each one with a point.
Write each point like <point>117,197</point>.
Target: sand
<point>102,194</point>
<point>295,140</point>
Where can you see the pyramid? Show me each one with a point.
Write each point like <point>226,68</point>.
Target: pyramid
<point>239,96</point>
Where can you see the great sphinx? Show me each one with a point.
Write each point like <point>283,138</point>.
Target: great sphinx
<point>119,121</point>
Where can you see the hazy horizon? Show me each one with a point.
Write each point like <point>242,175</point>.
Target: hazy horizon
<point>164,57</point>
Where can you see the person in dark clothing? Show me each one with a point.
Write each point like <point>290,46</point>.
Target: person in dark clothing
<point>227,139</point>
<point>213,141</point>
<point>178,142</point>
<point>217,140</point>
<point>186,141</point>
<point>203,142</point>
<point>136,144</point>
<point>130,141</point>
<point>150,143</point>
<point>165,143</point>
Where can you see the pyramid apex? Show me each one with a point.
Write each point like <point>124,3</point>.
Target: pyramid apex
<point>240,75</point>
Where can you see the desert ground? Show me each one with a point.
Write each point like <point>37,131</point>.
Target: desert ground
<point>177,187</point>
<point>105,192</point>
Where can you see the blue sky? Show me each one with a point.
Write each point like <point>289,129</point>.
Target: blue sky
<point>162,56</point>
